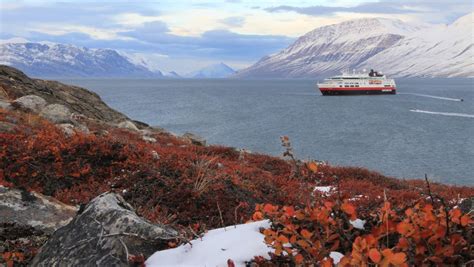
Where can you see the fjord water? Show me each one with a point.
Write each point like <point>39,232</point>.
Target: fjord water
<point>422,129</point>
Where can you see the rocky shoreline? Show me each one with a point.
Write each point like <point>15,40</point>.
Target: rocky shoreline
<point>82,184</point>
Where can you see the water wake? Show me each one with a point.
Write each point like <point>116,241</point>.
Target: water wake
<point>434,96</point>
<point>443,113</point>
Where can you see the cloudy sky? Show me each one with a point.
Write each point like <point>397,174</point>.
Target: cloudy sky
<point>184,35</point>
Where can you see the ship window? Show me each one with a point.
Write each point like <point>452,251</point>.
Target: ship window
<point>357,85</point>
<point>346,85</point>
<point>340,85</point>
<point>352,85</point>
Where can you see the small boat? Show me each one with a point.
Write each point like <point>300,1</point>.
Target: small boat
<point>372,83</point>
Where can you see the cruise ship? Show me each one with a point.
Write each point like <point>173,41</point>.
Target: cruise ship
<point>372,83</point>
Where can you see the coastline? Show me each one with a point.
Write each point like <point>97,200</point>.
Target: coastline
<point>81,150</point>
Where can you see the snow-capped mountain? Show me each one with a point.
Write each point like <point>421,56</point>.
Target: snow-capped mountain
<point>220,70</point>
<point>391,46</point>
<point>60,60</point>
<point>442,51</point>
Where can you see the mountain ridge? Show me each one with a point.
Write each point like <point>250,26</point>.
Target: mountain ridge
<point>352,44</point>
<point>66,60</point>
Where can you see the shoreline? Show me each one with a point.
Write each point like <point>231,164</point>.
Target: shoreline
<point>76,152</point>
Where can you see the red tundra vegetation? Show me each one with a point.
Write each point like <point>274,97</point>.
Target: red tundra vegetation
<point>203,187</point>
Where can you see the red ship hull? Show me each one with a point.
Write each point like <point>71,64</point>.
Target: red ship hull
<point>359,91</point>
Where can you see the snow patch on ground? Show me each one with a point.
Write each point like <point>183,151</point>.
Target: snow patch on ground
<point>239,243</point>
<point>336,256</point>
<point>324,189</point>
<point>358,223</point>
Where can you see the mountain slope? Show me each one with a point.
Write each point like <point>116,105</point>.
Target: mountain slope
<point>331,49</point>
<point>220,70</point>
<point>445,51</point>
<point>59,60</point>
<point>372,43</point>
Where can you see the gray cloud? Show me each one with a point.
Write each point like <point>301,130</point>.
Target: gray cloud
<point>436,11</point>
<point>221,44</point>
<point>379,7</point>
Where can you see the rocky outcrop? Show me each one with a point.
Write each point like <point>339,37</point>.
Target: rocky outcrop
<point>194,139</point>
<point>29,103</point>
<point>34,210</point>
<point>107,233</point>
<point>15,84</point>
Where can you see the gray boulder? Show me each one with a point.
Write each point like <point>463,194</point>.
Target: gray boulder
<point>70,129</point>
<point>30,103</point>
<point>33,210</point>
<point>67,129</point>
<point>106,233</point>
<point>149,139</point>
<point>194,139</point>
<point>128,125</point>
<point>56,113</point>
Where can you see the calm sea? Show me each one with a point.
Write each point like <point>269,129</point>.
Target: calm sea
<point>423,129</point>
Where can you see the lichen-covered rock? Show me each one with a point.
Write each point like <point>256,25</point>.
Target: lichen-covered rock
<point>127,125</point>
<point>104,234</point>
<point>30,103</point>
<point>56,113</point>
<point>194,139</point>
<point>33,209</point>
